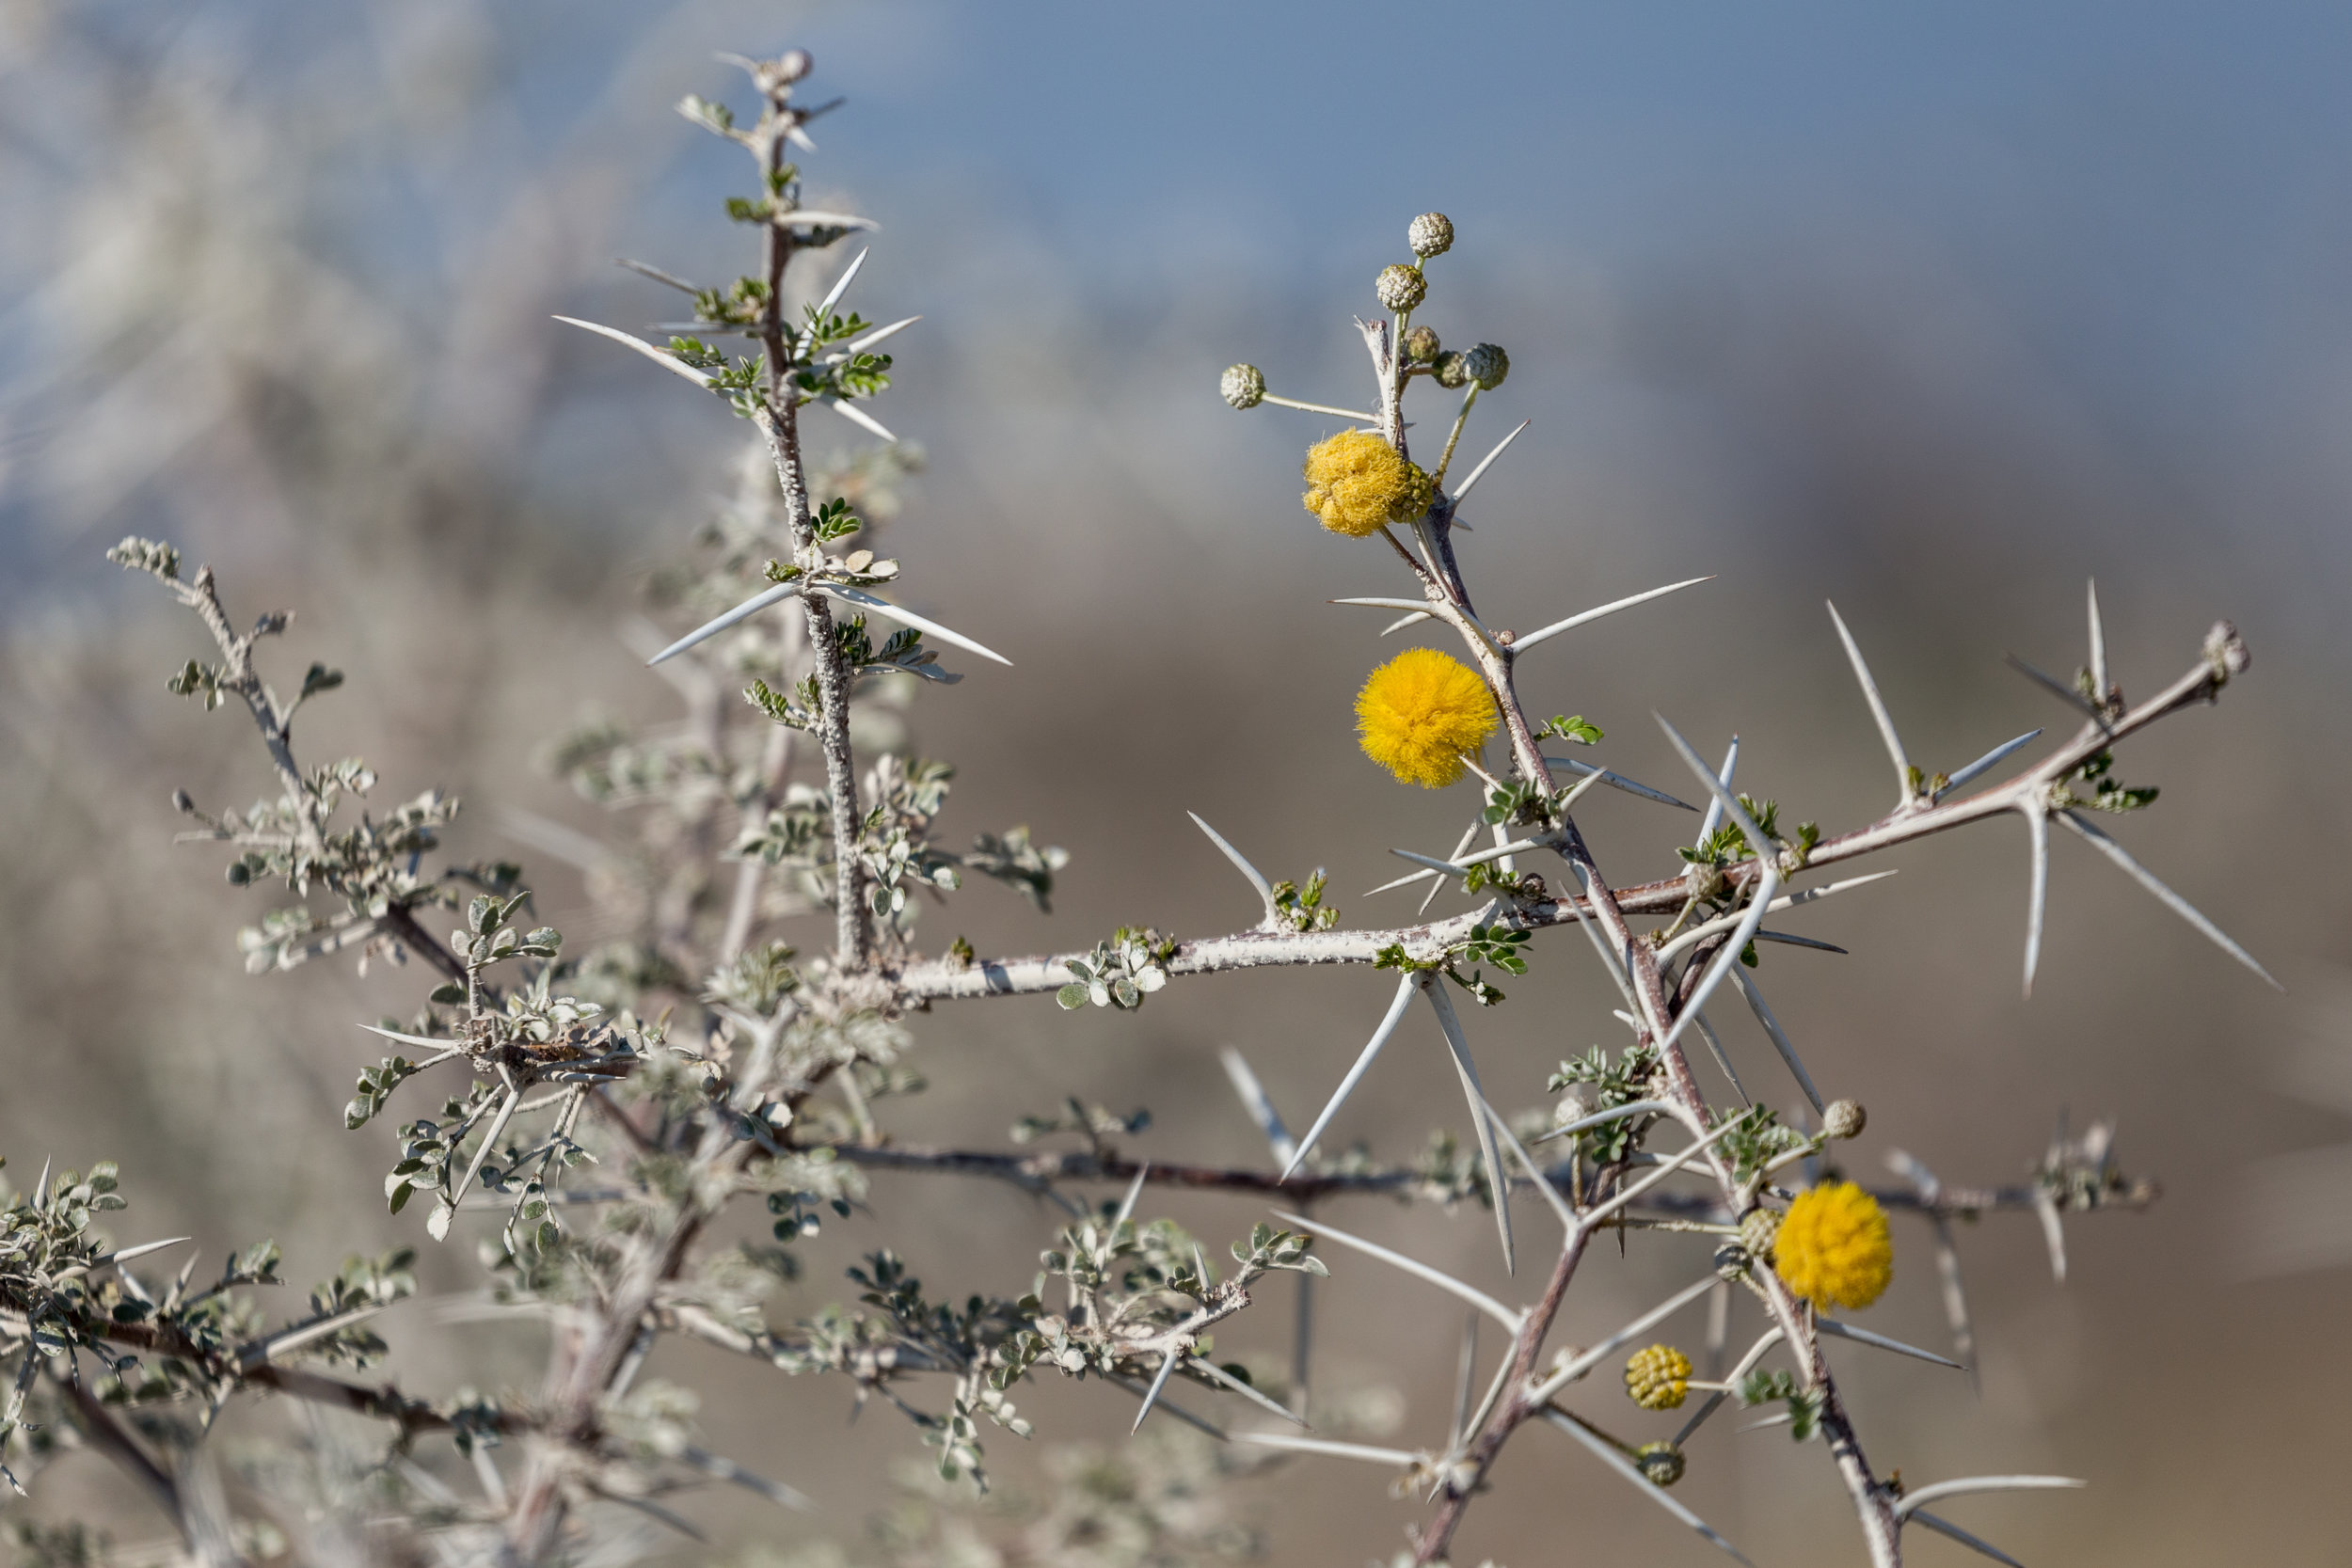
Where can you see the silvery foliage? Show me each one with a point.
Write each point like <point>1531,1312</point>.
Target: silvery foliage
<point>587,1119</point>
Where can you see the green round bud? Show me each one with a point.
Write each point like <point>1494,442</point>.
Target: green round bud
<point>1430,234</point>
<point>1844,1118</point>
<point>1731,1260</point>
<point>1244,386</point>
<point>1487,365</point>
<point>1400,287</point>
<point>1661,1462</point>
<point>1758,1228</point>
<point>1421,345</point>
<point>1452,369</point>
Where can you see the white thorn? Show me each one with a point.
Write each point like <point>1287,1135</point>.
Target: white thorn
<point>1219,1375</point>
<point>1729,957</point>
<point>1498,1178</point>
<point>1258,1104</point>
<point>711,629</point>
<point>1944,1527</point>
<point>1673,1166</point>
<point>723,1468</point>
<point>1626,1468</point>
<point>1322,409</point>
<point>1257,878</point>
<point>1602,1118</point>
<point>907,617</point>
<point>489,1140</point>
<point>859,417</point>
<point>1955,1301</point>
<point>1466,1371</point>
<point>1134,1191</point>
<point>662,357</point>
<point>2164,895</point>
<point>1355,1074</point>
<point>2053,1234</point>
<point>2037,887</point>
<point>1715,1401</point>
<point>1758,843</point>
<point>1396,1457</point>
<point>816,218</point>
<point>124,1254</point>
<point>1535,1172</point>
<point>1576,1368</point>
<point>2098,644</point>
<point>1617,781</point>
<point>1723,1058</point>
<point>1436,883</point>
<point>1697,934</point>
<point>1471,1293</point>
<point>1714,807</point>
<point>1167,1365</point>
<point>1483,462</point>
<point>1132,1386</point>
<point>2062,692</point>
<point>1781,1042</point>
<point>880,333</point>
<point>1911,1502</point>
<point>1903,793</point>
<point>841,284</point>
<point>1880,1341</point>
<point>266,1350</point>
<point>1521,646</point>
<point>1986,761</point>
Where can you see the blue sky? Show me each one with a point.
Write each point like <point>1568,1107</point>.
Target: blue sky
<point>2126,222</point>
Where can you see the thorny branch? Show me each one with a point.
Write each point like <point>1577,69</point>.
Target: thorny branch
<point>1042,1171</point>
<point>2032,793</point>
<point>949,979</point>
<point>738,1109</point>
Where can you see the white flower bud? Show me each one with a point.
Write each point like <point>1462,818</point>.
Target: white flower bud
<point>1430,234</point>
<point>1400,287</point>
<point>1244,386</point>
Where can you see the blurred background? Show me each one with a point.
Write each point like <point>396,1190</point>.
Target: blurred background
<point>1932,313</point>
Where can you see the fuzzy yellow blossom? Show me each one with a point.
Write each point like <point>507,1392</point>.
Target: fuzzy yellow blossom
<point>1833,1247</point>
<point>1420,712</point>
<point>1356,483</point>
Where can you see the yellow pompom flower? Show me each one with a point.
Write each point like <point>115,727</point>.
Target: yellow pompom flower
<point>1834,1248</point>
<point>1420,712</point>
<point>1658,1378</point>
<point>1357,484</point>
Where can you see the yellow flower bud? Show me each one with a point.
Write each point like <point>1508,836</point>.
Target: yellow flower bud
<point>1658,1378</point>
<point>1357,484</point>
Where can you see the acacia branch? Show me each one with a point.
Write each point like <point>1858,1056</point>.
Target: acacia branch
<point>202,596</point>
<point>1037,1172</point>
<point>945,979</point>
<point>383,1402</point>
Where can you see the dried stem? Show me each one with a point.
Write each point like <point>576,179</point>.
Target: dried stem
<point>1038,1172</point>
